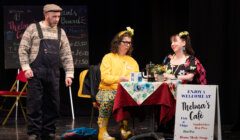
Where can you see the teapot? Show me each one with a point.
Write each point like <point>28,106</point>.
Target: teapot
<point>149,72</point>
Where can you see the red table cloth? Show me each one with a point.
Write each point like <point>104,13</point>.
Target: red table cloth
<point>160,97</point>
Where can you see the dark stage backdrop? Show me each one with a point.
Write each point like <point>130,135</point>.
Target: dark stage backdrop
<point>213,26</point>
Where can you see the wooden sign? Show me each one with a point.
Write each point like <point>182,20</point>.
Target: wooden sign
<point>195,113</point>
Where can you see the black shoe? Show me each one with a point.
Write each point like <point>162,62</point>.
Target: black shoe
<point>33,137</point>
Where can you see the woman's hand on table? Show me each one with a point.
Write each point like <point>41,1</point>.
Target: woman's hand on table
<point>123,79</point>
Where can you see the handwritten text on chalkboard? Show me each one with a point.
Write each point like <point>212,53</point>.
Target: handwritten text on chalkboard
<point>73,21</point>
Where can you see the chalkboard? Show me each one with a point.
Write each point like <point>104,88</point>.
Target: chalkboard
<point>73,20</point>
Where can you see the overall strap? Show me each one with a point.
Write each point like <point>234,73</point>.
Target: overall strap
<point>39,30</point>
<point>59,34</point>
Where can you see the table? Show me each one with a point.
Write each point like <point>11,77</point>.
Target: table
<point>160,96</point>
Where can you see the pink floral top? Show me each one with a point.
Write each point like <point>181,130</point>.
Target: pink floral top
<point>192,65</point>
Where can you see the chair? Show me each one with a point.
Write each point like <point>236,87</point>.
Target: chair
<point>86,95</point>
<point>89,80</point>
<point>14,92</point>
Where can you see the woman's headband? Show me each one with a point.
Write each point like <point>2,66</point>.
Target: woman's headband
<point>183,33</point>
<point>128,30</point>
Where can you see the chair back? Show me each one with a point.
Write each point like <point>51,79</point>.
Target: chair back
<point>21,77</point>
<point>82,76</point>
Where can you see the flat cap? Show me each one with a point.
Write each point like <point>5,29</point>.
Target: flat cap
<point>52,8</point>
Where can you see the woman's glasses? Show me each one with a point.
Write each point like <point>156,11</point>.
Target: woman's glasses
<point>128,43</point>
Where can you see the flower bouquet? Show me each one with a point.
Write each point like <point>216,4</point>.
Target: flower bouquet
<point>158,71</point>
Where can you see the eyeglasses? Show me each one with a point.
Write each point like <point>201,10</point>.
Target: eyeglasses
<point>127,43</point>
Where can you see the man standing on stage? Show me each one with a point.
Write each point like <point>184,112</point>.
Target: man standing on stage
<point>41,49</point>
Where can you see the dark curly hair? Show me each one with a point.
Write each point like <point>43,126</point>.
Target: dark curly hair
<point>117,40</point>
